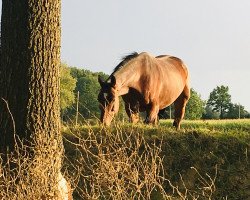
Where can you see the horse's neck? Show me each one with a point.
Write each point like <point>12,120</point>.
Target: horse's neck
<point>125,77</point>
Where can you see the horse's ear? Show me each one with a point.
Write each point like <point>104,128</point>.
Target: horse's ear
<point>113,80</point>
<point>100,80</point>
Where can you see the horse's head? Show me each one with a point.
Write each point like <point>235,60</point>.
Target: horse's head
<point>108,99</point>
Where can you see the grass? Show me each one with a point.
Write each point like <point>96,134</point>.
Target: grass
<point>221,125</point>
<point>204,160</point>
<point>33,172</point>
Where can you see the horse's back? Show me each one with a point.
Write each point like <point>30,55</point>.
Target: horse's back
<point>173,61</point>
<point>162,78</point>
<point>172,78</point>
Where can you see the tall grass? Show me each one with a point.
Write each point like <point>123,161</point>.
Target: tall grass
<point>33,172</point>
<point>114,165</point>
<point>135,162</point>
<point>204,160</point>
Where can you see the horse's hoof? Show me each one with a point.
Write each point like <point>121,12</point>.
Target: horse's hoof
<point>176,125</point>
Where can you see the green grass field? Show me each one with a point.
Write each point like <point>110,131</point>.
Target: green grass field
<point>234,124</point>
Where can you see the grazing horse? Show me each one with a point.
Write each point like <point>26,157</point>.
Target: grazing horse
<point>146,83</point>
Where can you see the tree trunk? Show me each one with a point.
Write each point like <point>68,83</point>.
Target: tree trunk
<point>29,69</point>
<point>222,112</point>
<point>29,79</point>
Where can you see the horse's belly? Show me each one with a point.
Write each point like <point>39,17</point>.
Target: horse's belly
<point>170,88</point>
<point>167,97</point>
<point>166,102</point>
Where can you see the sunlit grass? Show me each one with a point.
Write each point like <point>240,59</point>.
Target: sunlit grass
<point>236,125</point>
<point>238,129</point>
<point>165,126</point>
<point>229,123</point>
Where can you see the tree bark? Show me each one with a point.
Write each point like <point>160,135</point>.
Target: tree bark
<point>29,83</point>
<point>29,70</point>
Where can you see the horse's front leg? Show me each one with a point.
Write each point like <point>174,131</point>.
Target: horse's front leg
<point>152,114</point>
<point>133,114</point>
<point>134,118</point>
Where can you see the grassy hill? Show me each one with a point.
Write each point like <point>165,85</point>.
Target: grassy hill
<point>204,160</point>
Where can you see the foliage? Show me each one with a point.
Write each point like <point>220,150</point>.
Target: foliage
<point>195,106</point>
<point>219,105</point>
<point>219,100</point>
<point>237,111</point>
<point>210,114</point>
<point>88,87</point>
<point>67,87</point>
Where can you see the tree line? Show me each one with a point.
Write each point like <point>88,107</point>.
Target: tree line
<point>73,80</point>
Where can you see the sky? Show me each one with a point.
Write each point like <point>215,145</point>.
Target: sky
<point>212,37</point>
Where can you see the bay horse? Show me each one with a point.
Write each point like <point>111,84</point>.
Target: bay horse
<point>145,83</point>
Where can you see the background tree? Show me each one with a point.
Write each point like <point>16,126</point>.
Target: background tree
<point>210,114</point>
<point>88,88</point>
<point>219,100</point>
<point>67,87</point>
<point>237,111</point>
<point>195,106</point>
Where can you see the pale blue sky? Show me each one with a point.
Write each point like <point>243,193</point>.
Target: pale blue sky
<point>211,36</point>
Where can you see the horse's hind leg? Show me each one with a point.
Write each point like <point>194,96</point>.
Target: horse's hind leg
<point>180,104</point>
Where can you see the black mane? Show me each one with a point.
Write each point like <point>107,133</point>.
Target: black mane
<point>125,60</point>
